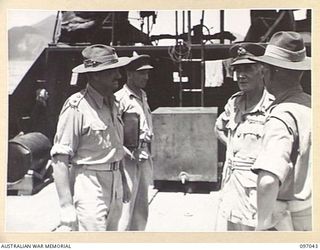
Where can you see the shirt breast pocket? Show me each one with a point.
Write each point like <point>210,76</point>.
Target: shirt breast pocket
<point>253,129</point>
<point>99,134</point>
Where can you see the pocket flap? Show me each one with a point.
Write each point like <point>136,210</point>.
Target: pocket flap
<point>253,128</point>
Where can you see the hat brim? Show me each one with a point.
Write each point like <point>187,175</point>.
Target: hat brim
<point>122,61</point>
<point>302,65</point>
<point>144,67</point>
<point>242,61</point>
<point>135,58</point>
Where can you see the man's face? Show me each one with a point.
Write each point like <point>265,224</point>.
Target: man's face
<point>277,78</point>
<point>106,81</point>
<point>139,78</point>
<point>273,75</point>
<point>249,77</point>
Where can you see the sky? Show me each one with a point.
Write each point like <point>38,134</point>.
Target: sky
<point>165,22</point>
<point>236,20</point>
<point>26,17</point>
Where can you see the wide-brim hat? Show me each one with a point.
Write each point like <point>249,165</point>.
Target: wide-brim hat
<point>139,62</point>
<point>286,50</point>
<point>241,53</point>
<point>100,57</point>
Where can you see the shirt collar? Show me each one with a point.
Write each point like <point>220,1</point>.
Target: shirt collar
<point>97,97</point>
<point>262,105</point>
<point>132,94</point>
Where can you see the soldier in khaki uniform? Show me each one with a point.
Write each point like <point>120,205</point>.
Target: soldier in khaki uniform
<point>240,127</point>
<point>284,164</point>
<point>90,138</point>
<point>138,170</point>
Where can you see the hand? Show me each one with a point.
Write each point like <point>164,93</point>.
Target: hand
<point>265,224</point>
<point>272,221</point>
<point>68,218</point>
<point>126,193</point>
<point>142,155</point>
<point>128,152</point>
<point>148,137</point>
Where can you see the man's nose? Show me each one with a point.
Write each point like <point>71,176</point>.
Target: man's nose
<point>241,75</point>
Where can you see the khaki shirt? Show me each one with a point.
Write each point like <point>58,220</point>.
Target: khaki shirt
<point>131,103</point>
<point>244,129</point>
<point>286,145</point>
<point>89,130</point>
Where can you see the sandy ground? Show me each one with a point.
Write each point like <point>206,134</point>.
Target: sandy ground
<point>169,211</point>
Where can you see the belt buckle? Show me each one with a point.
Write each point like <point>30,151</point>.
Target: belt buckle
<point>113,166</point>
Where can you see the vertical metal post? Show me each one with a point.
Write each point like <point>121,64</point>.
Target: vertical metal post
<point>221,25</point>
<point>183,21</point>
<point>54,36</point>
<point>189,27</point>
<point>179,62</point>
<point>112,29</point>
<point>142,22</point>
<point>189,34</point>
<point>148,29</point>
<point>180,82</point>
<point>176,18</point>
<point>202,62</point>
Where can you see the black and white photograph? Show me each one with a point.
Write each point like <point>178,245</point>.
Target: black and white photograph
<point>187,120</point>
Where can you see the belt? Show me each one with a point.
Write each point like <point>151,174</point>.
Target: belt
<point>240,164</point>
<point>113,166</point>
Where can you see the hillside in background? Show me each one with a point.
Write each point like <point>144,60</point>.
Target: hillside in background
<point>27,42</point>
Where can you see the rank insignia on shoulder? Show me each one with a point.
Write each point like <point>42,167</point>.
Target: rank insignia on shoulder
<point>75,100</point>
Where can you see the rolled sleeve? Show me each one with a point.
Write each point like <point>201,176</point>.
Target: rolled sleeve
<point>277,145</point>
<point>61,149</point>
<point>68,132</point>
<point>224,117</point>
<point>221,122</point>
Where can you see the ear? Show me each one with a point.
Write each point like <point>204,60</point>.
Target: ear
<point>129,74</point>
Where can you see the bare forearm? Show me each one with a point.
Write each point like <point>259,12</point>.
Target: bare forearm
<point>68,215</point>
<point>126,190</point>
<point>222,136</point>
<point>62,181</point>
<point>123,175</point>
<point>267,188</point>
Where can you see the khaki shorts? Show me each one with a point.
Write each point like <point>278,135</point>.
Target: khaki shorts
<point>293,215</point>
<point>98,199</point>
